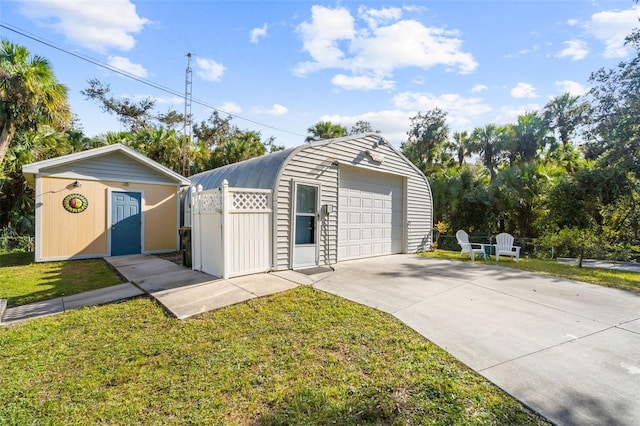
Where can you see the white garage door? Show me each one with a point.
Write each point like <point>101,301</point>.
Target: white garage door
<point>369,214</point>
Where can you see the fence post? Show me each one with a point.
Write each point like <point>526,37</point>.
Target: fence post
<point>196,231</point>
<point>227,203</point>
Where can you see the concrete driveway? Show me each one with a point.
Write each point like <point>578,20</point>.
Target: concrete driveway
<point>568,350</point>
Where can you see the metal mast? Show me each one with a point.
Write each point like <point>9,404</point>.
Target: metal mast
<point>186,135</point>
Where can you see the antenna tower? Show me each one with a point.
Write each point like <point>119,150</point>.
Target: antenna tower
<point>186,135</point>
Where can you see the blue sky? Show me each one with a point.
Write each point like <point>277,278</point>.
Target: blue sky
<point>281,66</point>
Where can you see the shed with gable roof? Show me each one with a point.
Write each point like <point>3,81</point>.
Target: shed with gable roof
<point>105,201</point>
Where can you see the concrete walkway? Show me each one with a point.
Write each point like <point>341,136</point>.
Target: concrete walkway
<point>67,303</point>
<point>185,293</point>
<point>569,350</point>
<point>603,264</point>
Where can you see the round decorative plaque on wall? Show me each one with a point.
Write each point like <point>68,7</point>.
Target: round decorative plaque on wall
<point>75,203</point>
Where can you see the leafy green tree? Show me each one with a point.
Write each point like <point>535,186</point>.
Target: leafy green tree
<point>243,146</point>
<point>159,144</point>
<point>461,198</point>
<point>171,119</point>
<point>133,115</point>
<point>215,131</point>
<point>579,201</point>
<point>517,193</point>
<point>361,127</point>
<point>427,139</point>
<point>219,142</point>
<point>325,130</point>
<point>614,134</point>
<point>16,197</point>
<point>30,95</point>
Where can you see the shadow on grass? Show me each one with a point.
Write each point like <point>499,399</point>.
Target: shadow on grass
<point>434,404</point>
<point>24,281</point>
<point>16,259</point>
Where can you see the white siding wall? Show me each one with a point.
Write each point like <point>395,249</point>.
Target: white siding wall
<point>314,163</point>
<point>206,231</point>
<point>231,231</point>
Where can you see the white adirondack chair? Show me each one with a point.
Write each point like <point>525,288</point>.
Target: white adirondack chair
<point>467,247</point>
<point>505,247</point>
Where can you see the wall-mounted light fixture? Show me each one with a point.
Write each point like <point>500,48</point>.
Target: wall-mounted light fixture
<point>375,156</point>
<point>77,184</point>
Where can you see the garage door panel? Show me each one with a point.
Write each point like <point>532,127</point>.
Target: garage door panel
<point>369,214</point>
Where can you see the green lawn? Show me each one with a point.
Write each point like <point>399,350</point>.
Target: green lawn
<point>299,357</point>
<point>24,281</point>
<point>605,277</point>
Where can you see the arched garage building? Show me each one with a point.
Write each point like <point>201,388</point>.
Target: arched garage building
<point>312,205</point>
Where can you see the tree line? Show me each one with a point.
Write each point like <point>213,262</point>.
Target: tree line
<point>566,176</point>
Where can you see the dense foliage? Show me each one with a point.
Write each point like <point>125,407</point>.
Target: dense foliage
<point>563,180</point>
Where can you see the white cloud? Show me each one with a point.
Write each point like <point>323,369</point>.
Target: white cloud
<point>124,64</point>
<point>362,82</point>
<point>409,43</point>
<point>382,44</point>
<point>230,107</point>
<point>611,27</point>
<point>575,49</point>
<point>173,100</point>
<point>160,100</point>
<point>209,70</point>
<point>478,88</point>
<point>532,49</point>
<point>321,36</point>
<point>524,90</point>
<point>509,115</point>
<point>460,109</point>
<point>258,33</point>
<point>393,124</point>
<point>97,25</point>
<point>572,87</point>
<point>276,109</point>
<point>572,22</point>
<point>376,17</point>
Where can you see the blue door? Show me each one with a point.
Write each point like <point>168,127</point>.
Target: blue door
<point>126,223</point>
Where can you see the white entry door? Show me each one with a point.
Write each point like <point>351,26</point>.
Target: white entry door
<point>370,213</point>
<point>305,225</point>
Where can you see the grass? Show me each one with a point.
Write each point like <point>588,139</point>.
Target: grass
<point>24,281</point>
<point>299,357</point>
<point>604,277</point>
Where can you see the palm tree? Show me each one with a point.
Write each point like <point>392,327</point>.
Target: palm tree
<point>532,135</point>
<point>486,141</point>
<point>461,145</point>
<point>29,94</point>
<point>564,114</point>
<point>325,130</point>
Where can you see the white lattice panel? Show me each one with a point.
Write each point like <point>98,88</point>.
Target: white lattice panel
<point>211,201</point>
<point>250,201</point>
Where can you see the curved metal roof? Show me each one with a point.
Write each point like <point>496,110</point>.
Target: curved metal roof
<point>259,172</point>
